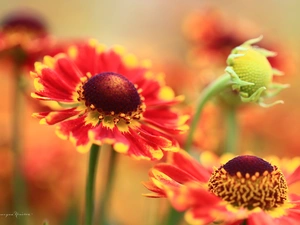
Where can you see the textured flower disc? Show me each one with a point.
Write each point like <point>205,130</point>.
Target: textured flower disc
<point>250,182</point>
<point>111,92</point>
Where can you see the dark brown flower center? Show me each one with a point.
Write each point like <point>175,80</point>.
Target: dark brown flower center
<point>113,96</point>
<point>109,92</point>
<point>247,164</point>
<point>249,182</point>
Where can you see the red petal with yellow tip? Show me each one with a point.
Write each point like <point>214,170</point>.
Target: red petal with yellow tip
<point>56,117</point>
<point>184,161</point>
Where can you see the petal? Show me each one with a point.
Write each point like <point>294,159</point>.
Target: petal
<point>260,218</point>
<point>292,215</point>
<point>150,90</point>
<point>193,195</point>
<point>153,137</point>
<point>294,198</point>
<point>50,84</point>
<point>102,134</point>
<point>199,216</point>
<point>51,118</point>
<point>87,59</point>
<point>158,183</point>
<point>169,126</point>
<point>156,192</point>
<point>77,131</point>
<point>167,143</point>
<point>294,177</point>
<point>110,61</point>
<point>188,164</point>
<point>140,148</point>
<point>162,180</point>
<point>177,174</point>
<point>69,72</point>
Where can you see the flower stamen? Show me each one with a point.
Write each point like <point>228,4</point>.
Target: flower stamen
<point>249,182</point>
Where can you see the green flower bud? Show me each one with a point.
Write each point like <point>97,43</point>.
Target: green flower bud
<point>251,73</point>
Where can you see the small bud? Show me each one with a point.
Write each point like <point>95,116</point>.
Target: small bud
<point>252,74</point>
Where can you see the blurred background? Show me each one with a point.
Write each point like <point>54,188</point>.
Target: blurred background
<point>175,35</point>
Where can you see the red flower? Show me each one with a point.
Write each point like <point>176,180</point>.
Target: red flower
<point>107,96</point>
<point>245,188</point>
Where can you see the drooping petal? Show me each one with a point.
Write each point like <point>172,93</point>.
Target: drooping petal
<point>188,164</point>
<point>155,139</point>
<point>169,122</point>
<point>140,148</point>
<point>192,196</point>
<point>178,175</point>
<point>156,192</point>
<point>105,135</point>
<point>54,117</point>
<point>77,131</point>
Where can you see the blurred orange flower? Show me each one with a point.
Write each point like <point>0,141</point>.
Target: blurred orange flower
<point>244,188</point>
<point>272,129</point>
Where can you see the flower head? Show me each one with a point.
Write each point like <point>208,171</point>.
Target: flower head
<point>244,188</point>
<point>24,36</point>
<point>107,96</point>
<point>252,73</point>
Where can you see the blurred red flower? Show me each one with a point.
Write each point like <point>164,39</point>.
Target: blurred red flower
<point>24,37</point>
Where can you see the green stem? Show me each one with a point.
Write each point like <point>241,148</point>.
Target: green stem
<point>108,183</point>
<point>231,130</point>
<point>244,222</point>
<point>90,184</point>
<point>173,217</point>
<point>214,88</point>
<point>72,216</point>
<point>19,190</point>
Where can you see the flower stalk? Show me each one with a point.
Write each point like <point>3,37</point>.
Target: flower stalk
<point>213,89</point>
<point>231,137</point>
<point>90,184</point>
<point>19,189</point>
<point>108,184</point>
